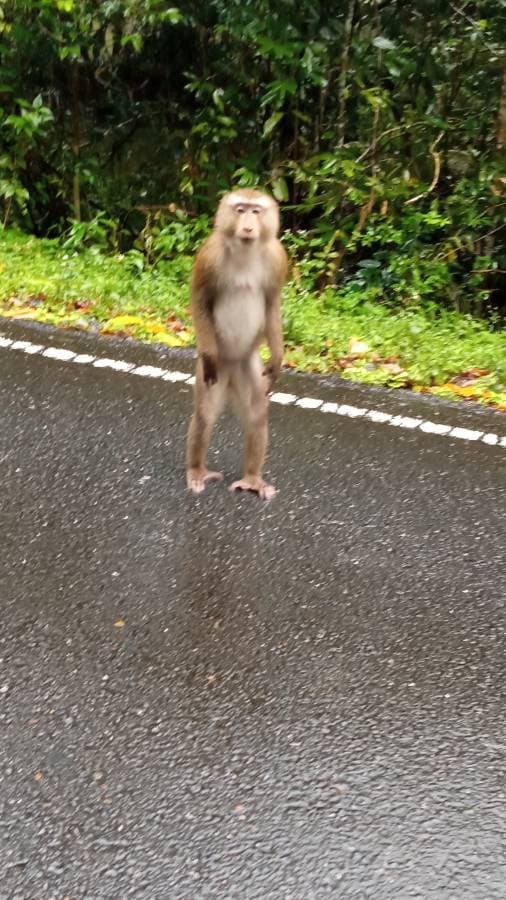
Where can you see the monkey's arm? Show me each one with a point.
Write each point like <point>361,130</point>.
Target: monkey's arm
<point>273,324</point>
<point>202,315</point>
<point>274,337</point>
<point>205,334</point>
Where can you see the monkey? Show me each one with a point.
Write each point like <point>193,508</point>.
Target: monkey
<point>235,305</point>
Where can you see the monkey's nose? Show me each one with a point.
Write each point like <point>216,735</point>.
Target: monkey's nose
<point>247,229</point>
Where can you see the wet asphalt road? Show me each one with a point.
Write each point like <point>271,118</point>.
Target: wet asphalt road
<point>219,698</point>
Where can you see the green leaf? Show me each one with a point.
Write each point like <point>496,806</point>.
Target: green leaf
<point>109,40</point>
<point>218,98</point>
<point>174,15</point>
<point>135,40</point>
<point>271,123</point>
<point>277,91</point>
<point>276,49</point>
<point>349,167</point>
<point>438,122</point>
<point>375,98</point>
<point>393,69</point>
<point>280,189</point>
<point>383,43</point>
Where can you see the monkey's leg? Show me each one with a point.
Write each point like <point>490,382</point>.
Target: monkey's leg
<point>208,403</point>
<point>249,390</point>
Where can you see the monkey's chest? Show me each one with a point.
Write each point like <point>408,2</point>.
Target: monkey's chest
<point>239,316</point>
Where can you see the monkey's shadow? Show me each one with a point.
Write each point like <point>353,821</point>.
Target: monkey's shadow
<point>223,581</point>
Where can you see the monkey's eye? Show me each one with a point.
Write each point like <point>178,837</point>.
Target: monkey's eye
<point>256,210</point>
<point>240,210</point>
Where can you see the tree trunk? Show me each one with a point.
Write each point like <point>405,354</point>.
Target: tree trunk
<point>341,121</point>
<point>76,142</point>
<point>501,115</point>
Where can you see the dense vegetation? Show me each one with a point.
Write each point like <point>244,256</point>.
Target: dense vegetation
<point>381,126</point>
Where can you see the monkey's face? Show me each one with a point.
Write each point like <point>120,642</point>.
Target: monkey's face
<point>248,216</point>
<point>247,221</point>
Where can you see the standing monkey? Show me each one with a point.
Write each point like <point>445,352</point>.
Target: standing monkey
<point>235,302</point>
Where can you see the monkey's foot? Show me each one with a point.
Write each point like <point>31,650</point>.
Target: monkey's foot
<point>196,479</point>
<point>257,485</point>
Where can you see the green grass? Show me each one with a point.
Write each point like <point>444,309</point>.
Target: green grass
<point>446,353</point>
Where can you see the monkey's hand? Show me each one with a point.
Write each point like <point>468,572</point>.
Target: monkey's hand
<point>209,368</point>
<point>271,372</point>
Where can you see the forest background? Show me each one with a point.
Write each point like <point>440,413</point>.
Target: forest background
<point>379,126</point>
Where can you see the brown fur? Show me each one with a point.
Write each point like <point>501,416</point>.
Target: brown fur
<point>235,302</point>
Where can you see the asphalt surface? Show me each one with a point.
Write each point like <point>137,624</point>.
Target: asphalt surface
<point>217,698</point>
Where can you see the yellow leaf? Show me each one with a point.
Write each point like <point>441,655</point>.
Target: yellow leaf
<point>38,776</point>
<point>118,323</point>
<point>20,312</point>
<point>119,623</point>
<point>461,391</point>
<point>172,340</point>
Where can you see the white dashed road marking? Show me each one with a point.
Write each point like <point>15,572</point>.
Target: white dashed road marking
<point>59,353</point>
<point>338,409</point>
<point>119,365</point>
<point>308,403</point>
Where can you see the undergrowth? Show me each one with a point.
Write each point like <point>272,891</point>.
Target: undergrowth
<point>424,348</point>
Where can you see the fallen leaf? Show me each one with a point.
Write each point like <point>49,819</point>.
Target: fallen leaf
<point>460,390</point>
<point>464,378</point>
<point>38,776</point>
<point>118,323</point>
<point>174,323</point>
<point>84,305</point>
<point>393,368</point>
<point>21,312</point>
<point>171,340</point>
<point>358,348</point>
<point>184,336</point>
<point>119,623</point>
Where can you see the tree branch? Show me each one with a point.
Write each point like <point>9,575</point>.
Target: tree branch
<point>437,170</point>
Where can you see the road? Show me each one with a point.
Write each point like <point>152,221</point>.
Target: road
<point>216,697</point>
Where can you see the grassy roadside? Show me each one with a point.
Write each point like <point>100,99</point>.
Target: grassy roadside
<point>442,353</point>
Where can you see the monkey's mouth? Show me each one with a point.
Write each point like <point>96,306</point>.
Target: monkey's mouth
<point>247,238</point>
